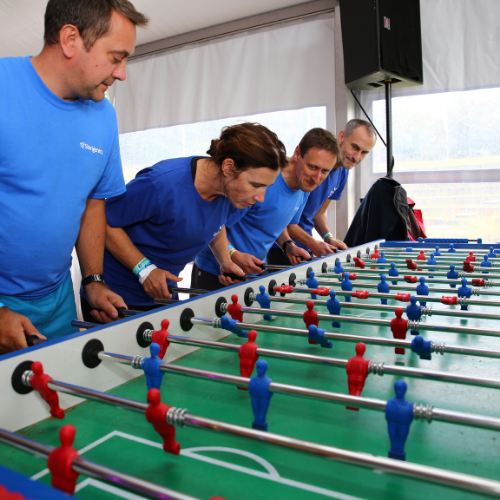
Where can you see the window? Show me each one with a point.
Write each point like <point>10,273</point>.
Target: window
<point>145,148</point>
<point>447,157</point>
<point>437,132</point>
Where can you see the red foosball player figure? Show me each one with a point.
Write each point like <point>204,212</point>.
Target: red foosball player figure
<point>60,462</point>
<point>156,414</point>
<point>39,382</point>
<point>399,327</point>
<point>310,317</point>
<point>421,255</point>
<point>6,495</point>
<point>248,356</point>
<point>357,371</point>
<point>234,309</point>
<point>160,337</point>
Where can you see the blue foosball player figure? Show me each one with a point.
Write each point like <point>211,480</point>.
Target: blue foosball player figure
<point>151,367</point>
<point>452,275</point>
<point>432,261</point>
<point>436,252</point>
<point>312,282</point>
<point>382,260</point>
<point>452,248</point>
<point>260,395</point>
<point>346,286</point>
<point>230,324</point>
<point>383,287</point>
<point>399,415</point>
<point>318,335</point>
<point>263,299</point>
<point>421,347</point>
<point>333,305</point>
<point>338,269</point>
<point>393,272</point>
<point>414,312</point>
<point>492,253</point>
<point>464,291</point>
<point>422,289</point>
<point>485,263</point>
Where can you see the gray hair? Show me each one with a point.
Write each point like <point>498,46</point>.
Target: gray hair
<point>354,124</point>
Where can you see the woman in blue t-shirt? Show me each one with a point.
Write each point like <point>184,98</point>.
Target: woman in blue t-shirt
<point>173,209</point>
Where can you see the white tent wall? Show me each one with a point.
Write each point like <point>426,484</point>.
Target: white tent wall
<point>461,51</point>
<point>287,66</point>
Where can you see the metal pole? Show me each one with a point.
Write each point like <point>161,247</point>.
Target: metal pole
<point>478,291</point>
<point>97,471</point>
<point>183,418</point>
<point>412,325</point>
<point>375,368</point>
<point>425,413</point>
<point>426,311</point>
<point>388,124</point>
<point>436,347</point>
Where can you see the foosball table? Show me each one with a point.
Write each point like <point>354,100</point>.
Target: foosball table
<point>369,374</point>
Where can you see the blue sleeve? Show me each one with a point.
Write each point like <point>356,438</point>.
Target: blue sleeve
<point>111,182</point>
<point>341,185</point>
<point>139,203</point>
<point>298,213</point>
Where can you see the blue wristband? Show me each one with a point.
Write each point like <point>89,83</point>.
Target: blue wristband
<point>230,246</point>
<point>327,235</point>
<point>2,304</point>
<point>141,265</point>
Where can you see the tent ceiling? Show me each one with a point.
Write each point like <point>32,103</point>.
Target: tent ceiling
<point>21,21</point>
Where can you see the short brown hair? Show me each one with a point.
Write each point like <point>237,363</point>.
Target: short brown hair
<point>321,139</point>
<point>249,145</point>
<point>92,18</point>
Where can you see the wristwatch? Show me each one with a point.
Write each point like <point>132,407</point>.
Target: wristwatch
<point>285,245</point>
<point>93,278</point>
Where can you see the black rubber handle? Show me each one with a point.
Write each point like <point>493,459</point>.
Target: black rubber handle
<point>235,276</point>
<point>32,340</point>
<point>121,312</point>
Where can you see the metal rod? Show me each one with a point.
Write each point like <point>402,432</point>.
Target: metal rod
<point>464,274</point>
<point>401,277</point>
<point>400,250</point>
<point>439,347</point>
<point>426,413</point>
<point>376,368</point>
<point>426,311</point>
<point>440,259</point>
<point>480,291</point>
<point>183,418</point>
<point>423,265</point>
<point>191,291</point>
<point>97,471</point>
<point>388,125</point>
<point>454,479</point>
<point>412,325</point>
<point>83,324</point>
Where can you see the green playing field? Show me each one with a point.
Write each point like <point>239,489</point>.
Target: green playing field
<point>236,468</point>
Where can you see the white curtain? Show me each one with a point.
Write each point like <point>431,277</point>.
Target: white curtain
<point>287,66</point>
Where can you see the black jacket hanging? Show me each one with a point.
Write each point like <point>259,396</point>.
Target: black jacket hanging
<point>383,214</point>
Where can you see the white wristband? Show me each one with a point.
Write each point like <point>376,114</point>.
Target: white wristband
<point>146,272</point>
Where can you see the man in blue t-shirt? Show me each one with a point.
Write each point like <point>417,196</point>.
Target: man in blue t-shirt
<point>59,160</point>
<point>251,233</point>
<point>355,141</point>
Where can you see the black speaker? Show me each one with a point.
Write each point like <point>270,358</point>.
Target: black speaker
<point>381,39</point>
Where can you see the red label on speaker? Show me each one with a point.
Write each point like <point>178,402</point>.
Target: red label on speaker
<point>387,23</point>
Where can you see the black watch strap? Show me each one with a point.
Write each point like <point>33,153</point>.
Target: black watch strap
<point>93,278</point>
<point>285,245</point>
